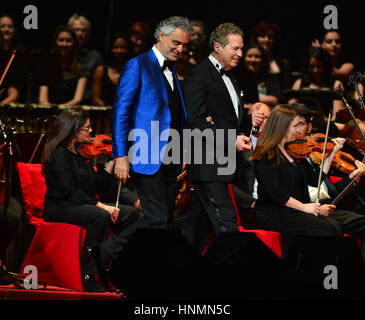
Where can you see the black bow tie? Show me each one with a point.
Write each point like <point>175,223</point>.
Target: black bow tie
<point>222,72</point>
<point>168,64</point>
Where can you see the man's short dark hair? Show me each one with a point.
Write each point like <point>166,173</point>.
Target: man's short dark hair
<point>303,111</point>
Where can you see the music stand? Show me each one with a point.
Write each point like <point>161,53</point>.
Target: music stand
<point>323,98</point>
<point>33,69</point>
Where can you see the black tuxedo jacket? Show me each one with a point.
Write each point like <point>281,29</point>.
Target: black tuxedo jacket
<point>206,95</point>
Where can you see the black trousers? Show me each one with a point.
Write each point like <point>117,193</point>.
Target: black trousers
<point>96,221</point>
<point>211,211</point>
<point>157,194</point>
<point>352,223</point>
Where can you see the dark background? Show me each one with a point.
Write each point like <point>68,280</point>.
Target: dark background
<point>300,21</point>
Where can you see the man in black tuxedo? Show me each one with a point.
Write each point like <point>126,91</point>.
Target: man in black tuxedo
<point>215,108</point>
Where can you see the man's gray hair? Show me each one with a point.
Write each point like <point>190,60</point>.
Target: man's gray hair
<point>220,33</point>
<point>168,26</point>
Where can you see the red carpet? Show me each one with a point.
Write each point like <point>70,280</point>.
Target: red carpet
<point>10,292</point>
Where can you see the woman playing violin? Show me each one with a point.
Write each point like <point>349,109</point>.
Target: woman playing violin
<point>283,203</point>
<point>72,186</point>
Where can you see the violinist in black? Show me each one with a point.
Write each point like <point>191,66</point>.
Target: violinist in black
<point>284,204</point>
<point>73,186</point>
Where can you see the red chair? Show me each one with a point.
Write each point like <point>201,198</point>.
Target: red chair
<point>271,239</point>
<point>56,247</point>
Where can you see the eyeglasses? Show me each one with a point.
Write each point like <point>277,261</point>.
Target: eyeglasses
<point>86,129</point>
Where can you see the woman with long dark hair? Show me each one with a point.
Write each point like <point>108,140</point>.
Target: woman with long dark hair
<point>106,77</point>
<point>9,41</point>
<point>268,84</point>
<point>74,73</point>
<point>72,186</point>
<point>317,75</point>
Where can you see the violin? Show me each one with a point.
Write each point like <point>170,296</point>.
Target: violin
<point>350,132</point>
<point>94,147</point>
<point>183,199</point>
<point>342,161</point>
<point>302,147</point>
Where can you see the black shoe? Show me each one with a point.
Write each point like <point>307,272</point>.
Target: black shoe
<point>90,284</point>
<point>101,268</point>
<point>95,254</point>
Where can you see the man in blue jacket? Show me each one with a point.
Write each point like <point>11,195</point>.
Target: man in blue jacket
<point>148,105</point>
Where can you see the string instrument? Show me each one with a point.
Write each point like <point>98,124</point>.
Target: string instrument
<point>94,147</point>
<point>2,174</point>
<point>351,134</point>
<point>183,199</point>
<point>5,150</point>
<point>302,147</point>
<point>342,161</point>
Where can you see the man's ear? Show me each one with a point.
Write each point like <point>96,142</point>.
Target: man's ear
<point>217,47</point>
<point>161,35</point>
<point>310,128</point>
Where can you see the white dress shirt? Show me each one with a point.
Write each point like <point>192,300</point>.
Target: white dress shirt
<point>228,83</point>
<point>167,71</point>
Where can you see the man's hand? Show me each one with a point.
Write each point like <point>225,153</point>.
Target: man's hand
<point>210,120</point>
<point>258,117</point>
<point>359,171</point>
<point>121,169</point>
<point>338,144</point>
<point>243,143</point>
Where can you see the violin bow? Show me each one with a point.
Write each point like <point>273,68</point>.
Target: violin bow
<point>343,192</point>
<point>348,108</point>
<point>7,67</point>
<point>323,156</point>
<point>119,188</point>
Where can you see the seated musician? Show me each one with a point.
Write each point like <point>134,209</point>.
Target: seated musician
<point>317,75</point>
<point>284,204</point>
<point>354,199</point>
<point>72,186</point>
<point>74,73</point>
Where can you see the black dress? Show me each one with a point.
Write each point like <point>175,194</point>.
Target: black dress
<point>72,186</point>
<point>276,184</point>
<point>108,88</point>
